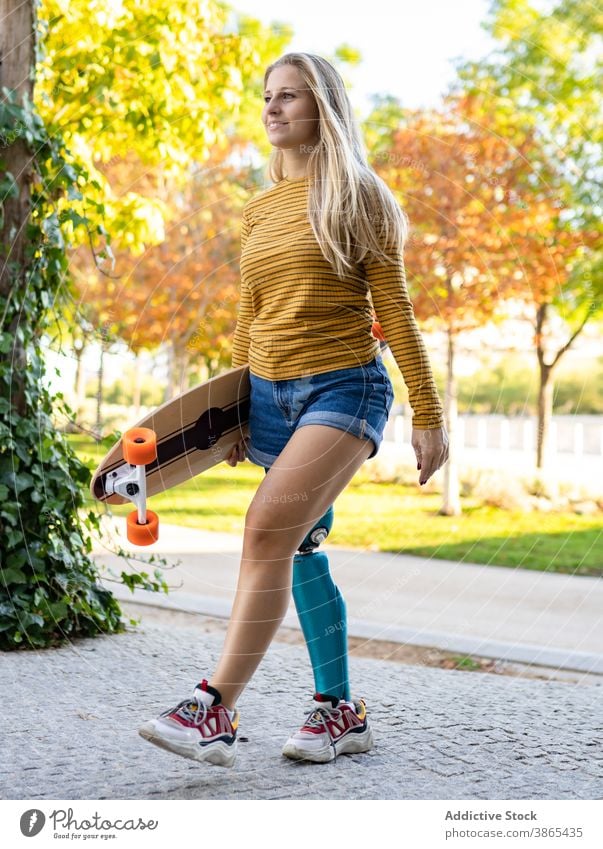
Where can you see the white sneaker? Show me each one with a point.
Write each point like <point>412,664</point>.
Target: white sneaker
<point>333,727</point>
<point>200,728</point>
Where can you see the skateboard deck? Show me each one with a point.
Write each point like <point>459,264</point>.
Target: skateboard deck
<point>193,432</point>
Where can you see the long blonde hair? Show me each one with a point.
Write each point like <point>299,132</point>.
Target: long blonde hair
<point>352,211</point>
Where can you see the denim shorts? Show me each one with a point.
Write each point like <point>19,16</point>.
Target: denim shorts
<point>357,400</point>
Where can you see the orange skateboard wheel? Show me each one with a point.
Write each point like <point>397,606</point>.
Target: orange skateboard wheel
<point>377,331</point>
<point>142,534</point>
<point>139,446</point>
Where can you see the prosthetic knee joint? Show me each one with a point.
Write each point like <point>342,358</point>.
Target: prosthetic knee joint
<point>317,534</point>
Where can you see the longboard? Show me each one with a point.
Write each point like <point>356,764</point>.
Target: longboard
<point>180,439</point>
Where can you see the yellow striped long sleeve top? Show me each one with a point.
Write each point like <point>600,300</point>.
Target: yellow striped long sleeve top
<point>297,318</point>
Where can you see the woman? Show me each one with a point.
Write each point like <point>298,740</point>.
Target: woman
<point>317,247</point>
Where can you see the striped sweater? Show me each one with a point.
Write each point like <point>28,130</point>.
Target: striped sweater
<point>297,318</point>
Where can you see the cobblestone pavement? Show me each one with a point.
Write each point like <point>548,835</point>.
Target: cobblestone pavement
<point>70,719</point>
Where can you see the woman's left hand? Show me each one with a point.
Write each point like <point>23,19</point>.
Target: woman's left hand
<point>238,453</point>
<point>431,448</point>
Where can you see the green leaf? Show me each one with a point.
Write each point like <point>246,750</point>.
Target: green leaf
<point>58,610</point>
<point>13,537</point>
<point>29,619</point>
<point>13,576</point>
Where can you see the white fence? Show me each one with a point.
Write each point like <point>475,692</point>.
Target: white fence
<point>576,436</point>
<point>507,445</point>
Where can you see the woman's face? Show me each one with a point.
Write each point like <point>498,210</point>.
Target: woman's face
<point>290,106</point>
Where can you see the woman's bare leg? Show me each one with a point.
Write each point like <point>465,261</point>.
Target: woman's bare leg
<point>314,467</point>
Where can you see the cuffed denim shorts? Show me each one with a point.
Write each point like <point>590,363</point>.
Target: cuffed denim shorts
<point>357,400</point>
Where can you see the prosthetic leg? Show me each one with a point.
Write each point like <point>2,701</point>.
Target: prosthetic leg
<point>322,612</point>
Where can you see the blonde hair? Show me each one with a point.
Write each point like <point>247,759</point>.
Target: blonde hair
<point>351,209</point>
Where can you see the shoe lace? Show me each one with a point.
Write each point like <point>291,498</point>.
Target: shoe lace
<point>317,718</point>
<point>192,710</point>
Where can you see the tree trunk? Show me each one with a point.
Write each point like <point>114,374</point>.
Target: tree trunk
<point>545,388</point>
<point>545,411</point>
<point>177,368</point>
<point>80,382</point>
<point>451,505</point>
<point>136,389</point>
<point>545,385</point>
<point>17,57</point>
<point>183,359</point>
<point>169,383</point>
<point>99,390</point>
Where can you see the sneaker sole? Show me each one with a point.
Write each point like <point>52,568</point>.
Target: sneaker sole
<point>349,745</point>
<point>218,754</point>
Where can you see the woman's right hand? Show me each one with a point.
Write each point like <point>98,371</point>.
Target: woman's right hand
<point>238,453</point>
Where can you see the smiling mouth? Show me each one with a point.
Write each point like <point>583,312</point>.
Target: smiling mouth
<point>275,124</point>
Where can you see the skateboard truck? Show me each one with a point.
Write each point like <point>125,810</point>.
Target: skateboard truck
<point>139,448</point>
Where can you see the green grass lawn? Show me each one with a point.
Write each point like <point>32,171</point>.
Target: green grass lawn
<point>391,517</point>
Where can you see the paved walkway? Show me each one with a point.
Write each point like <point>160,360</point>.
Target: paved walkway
<point>509,614</point>
<point>70,717</point>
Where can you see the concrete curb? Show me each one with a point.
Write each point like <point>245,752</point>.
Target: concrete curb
<point>496,649</point>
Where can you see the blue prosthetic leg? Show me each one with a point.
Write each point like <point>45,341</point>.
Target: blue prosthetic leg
<point>322,612</point>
